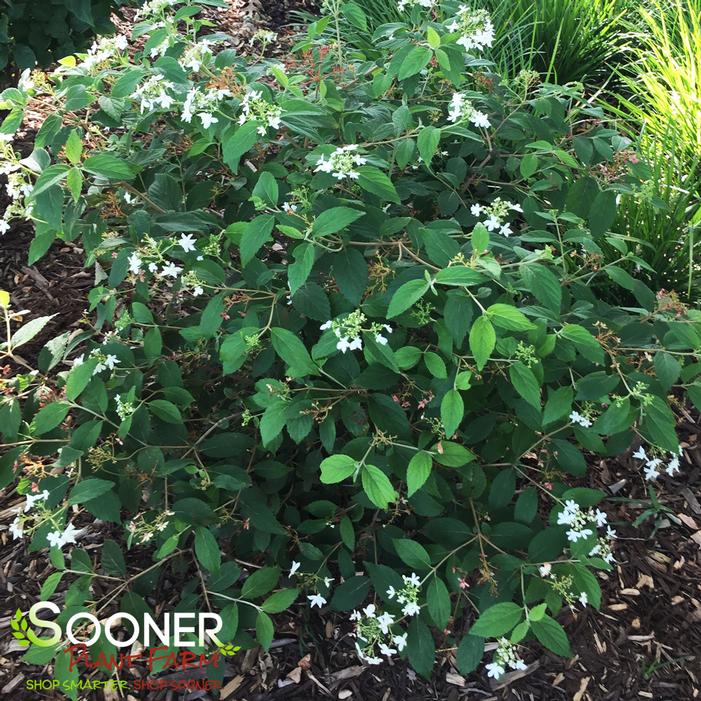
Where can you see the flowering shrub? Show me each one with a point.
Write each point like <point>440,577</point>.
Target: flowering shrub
<point>346,334</point>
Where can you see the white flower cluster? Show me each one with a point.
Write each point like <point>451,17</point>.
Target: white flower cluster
<point>348,331</point>
<point>153,93</point>
<point>57,539</point>
<point>656,464</point>
<point>103,50</point>
<point>254,108</point>
<point>504,656</point>
<point>408,595</point>
<point>153,8</point>
<point>145,530</point>
<point>203,104</point>
<point>427,4</point>
<point>375,636</point>
<point>18,185</point>
<point>263,36</point>
<point>583,524</point>
<point>124,408</point>
<point>496,215</point>
<point>580,419</point>
<point>462,109</point>
<point>196,55</point>
<point>342,163</point>
<point>151,257</point>
<point>104,361</point>
<point>475,28</point>
<point>54,538</point>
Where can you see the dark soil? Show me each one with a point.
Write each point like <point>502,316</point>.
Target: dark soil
<point>643,644</point>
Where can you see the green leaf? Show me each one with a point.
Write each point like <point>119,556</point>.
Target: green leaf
<point>75,183</point>
<point>113,559</point>
<point>416,60</point>
<point>293,352</point>
<point>377,486</point>
<point>264,630</point>
<point>528,165</point>
<point>260,582</point>
<point>551,635</point>
<point>74,147</point>
<point>525,383</point>
<point>257,232</point>
<point>469,654</point>
<point>88,489</point>
<point>452,409</point>
<point>53,175</point>
<point>459,276</point>
<point>406,296</point>
<point>428,140</point>
<point>165,411</point>
<point>544,285</point>
<point>280,601</point>
<point>585,343</point>
<point>337,468</point>
<point>497,620</point>
<point>507,317</point>
<point>483,339</point>
<point>332,220</point>
<point>558,406</point>
<point>234,350</point>
<point>480,239</point>
<point>421,648</point>
<point>239,142</point>
<point>28,331</point>
<point>78,378</point>
<point>418,471</point>
<point>377,183</point>
<point>207,549</point>
<point>107,166</point>
<point>49,417</point>
<point>266,189</point>
<point>438,600</point>
<point>298,272</point>
<point>659,425</point>
<point>412,553</point>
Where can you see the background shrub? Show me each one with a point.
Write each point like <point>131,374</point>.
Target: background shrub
<point>43,32</point>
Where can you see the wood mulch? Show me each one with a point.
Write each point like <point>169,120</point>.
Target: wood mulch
<point>644,643</point>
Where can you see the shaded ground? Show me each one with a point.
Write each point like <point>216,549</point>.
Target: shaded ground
<point>643,644</point>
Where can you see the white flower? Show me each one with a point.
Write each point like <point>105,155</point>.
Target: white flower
<point>121,42</point>
<point>545,569</point>
<point>601,518</point>
<point>316,600</point>
<point>640,453</point>
<point>187,242</point>
<point>577,418</point>
<point>583,598</point>
<point>16,529</point>
<point>34,498</point>
<point>610,532</point>
<point>325,326</point>
<point>134,263</point>
<point>413,579</point>
<point>328,581</point>
<point>381,339</point>
<point>295,566</point>
<point>369,610</point>
<point>480,119</point>
<point>289,208</point>
<point>207,119</point>
<point>111,361</point>
<point>387,650</point>
<point>476,210</point>
<point>58,539</point>
<point>400,641</point>
<point>356,616</point>
<point>650,470</point>
<point>197,290</point>
<point>506,230</point>
<point>495,670</point>
<point>79,360</point>
<point>385,621</point>
<point>673,466</point>
<point>367,658</point>
<point>518,664</point>
<point>411,609</point>
<point>391,592</point>
<point>4,226</point>
<point>171,270</point>
<point>573,535</point>
<point>492,224</point>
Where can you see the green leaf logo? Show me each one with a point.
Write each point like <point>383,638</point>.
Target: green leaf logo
<point>228,650</point>
<point>19,627</point>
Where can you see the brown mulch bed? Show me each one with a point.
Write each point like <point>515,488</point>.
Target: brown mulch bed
<point>643,644</point>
